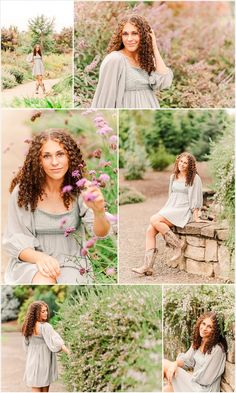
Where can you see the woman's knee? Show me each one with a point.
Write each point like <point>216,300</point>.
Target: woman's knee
<point>151,231</point>
<point>41,279</point>
<point>155,220</point>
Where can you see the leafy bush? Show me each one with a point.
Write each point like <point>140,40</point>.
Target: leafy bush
<point>182,307</point>
<point>223,171</point>
<point>115,337</point>
<point>8,80</point>
<point>18,74</point>
<point>129,195</point>
<point>160,159</point>
<point>135,163</point>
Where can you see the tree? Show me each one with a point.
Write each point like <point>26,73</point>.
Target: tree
<point>41,29</point>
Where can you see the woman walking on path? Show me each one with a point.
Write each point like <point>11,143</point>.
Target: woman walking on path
<point>38,68</point>
<point>41,343</point>
<point>133,68</point>
<point>207,357</point>
<point>183,206</point>
<point>50,199</point>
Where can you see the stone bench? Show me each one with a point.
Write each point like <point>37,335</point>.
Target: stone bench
<point>206,253</point>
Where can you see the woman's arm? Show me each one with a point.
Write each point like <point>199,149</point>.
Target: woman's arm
<point>159,62</point>
<point>47,265</point>
<point>65,349</point>
<point>172,369</point>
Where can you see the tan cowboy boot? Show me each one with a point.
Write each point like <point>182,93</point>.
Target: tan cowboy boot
<point>176,243</point>
<point>149,260</point>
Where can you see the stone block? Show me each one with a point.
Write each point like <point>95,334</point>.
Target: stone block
<point>222,268</point>
<point>229,374</point>
<point>222,234</point>
<point>195,228</point>
<point>200,268</point>
<point>195,241</point>
<point>225,387</point>
<point>209,230</point>
<point>231,350</point>
<point>211,251</point>
<point>195,253</point>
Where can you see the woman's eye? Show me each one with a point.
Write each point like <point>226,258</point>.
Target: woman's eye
<point>60,154</point>
<point>46,156</point>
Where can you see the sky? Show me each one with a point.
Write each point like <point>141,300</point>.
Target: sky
<point>18,12</point>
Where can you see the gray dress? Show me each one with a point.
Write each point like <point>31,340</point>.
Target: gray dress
<point>41,363</point>
<point>122,85</point>
<point>43,232</point>
<point>182,201</point>
<point>38,68</point>
<point>207,371</point>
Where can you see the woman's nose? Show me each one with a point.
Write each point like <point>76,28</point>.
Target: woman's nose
<point>54,160</point>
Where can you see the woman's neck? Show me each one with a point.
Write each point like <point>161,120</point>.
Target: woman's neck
<point>53,186</point>
<point>132,55</point>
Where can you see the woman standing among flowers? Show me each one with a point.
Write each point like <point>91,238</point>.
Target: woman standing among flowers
<point>183,205</point>
<point>38,68</point>
<point>133,68</point>
<point>207,356</point>
<point>50,198</point>
<point>42,343</point>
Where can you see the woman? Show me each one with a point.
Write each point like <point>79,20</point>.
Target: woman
<point>183,205</point>
<point>50,198</point>
<point>207,356</point>
<point>38,68</point>
<point>41,343</point>
<point>133,68</point>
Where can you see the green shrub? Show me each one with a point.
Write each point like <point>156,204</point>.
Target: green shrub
<point>161,159</point>
<point>18,74</point>
<point>115,337</point>
<point>135,163</point>
<point>8,80</point>
<point>182,307</point>
<point>129,195</point>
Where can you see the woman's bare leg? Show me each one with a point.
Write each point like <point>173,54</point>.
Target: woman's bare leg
<point>160,224</point>
<point>45,389</point>
<point>36,389</point>
<point>41,279</point>
<point>37,84</point>
<point>151,237</point>
<point>41,83</point>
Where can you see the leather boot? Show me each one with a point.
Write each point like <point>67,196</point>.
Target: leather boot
<point>149,260</point>
<point>177,244</point>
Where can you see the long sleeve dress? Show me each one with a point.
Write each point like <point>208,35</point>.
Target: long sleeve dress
<point>44,232</point>
<point>122,85</point>
<point>182,201</point>
<point>41,363</point>
<point>207,371</point>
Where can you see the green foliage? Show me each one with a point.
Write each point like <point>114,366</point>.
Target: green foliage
<point>160,159</point>
<point>58,102</point>
<point>223,171</point>
<point>115,337</point>
<point>9,38</point>
<point>184,304</point>
<point>129,195</point>
<point>41,29</point>
<point>63,41</point>
<point>8,79</point>
<point>135,163</point>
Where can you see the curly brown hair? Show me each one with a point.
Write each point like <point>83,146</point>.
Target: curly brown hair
<point>33,316</point>
<point>145,49</point>
<point>31,177</point>
<point>216,337</point>
<point>191,169</point>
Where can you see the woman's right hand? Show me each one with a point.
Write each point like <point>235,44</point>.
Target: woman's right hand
<point>172,370</point>
<point>48,266</point>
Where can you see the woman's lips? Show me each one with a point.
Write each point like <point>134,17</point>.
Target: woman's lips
<point>56,169</point>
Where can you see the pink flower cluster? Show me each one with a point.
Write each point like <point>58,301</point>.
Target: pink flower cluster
<point>90,243</point>
<point>68,231</point>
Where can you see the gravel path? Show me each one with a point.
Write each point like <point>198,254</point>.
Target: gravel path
<point>13,364</point>
<point>134,220</point>
<point>26,90</point>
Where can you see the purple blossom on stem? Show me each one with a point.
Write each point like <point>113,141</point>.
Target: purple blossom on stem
<point>83,252</point>
<point>110,271</point>
<point>104,178</point>
<point>89,197</point>
<point>68,231</point>
<point>63,222</point>
<point>113,139</point>
<point>80,183</point>
<point>67,189</point>
<point>76,173</point>
<point>92,172</point>
<point>82,271</point>
<point>90,243</point>
<point>104,130</point>
<point>92,65</point>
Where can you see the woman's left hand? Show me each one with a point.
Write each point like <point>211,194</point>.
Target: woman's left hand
<point>154,41</point>
<point>93,198</point>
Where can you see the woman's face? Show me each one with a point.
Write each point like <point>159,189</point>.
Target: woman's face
<point>206,328</point>
<point>183,164</point>
<point>130,37</point>
<point>37,47</point>
<point>43,313</point>
<point>54,160</point>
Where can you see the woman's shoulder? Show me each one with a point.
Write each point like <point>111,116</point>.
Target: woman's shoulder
<point>197,178</point>
<point>114,57</point>
<point>217,349</point>
<point>15,192</point>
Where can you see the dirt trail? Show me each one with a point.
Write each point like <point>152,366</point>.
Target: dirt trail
<point>26,90</point>
<point>134,220</point>
<point>13,364</point>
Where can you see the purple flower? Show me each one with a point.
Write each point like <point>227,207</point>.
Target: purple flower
<point>75,173</point>
<point>104,178</point>
<point>82,44</point>
<point>104,163</point>
<point>97,153</point>
<point>80,183</point>
<point>90,243</point>
<point>89,197</point>
<point>113,139</point>
<point>104,130</point>
<point>63,222</point>
<point>68,231</point>
<point>92,65</point>
<point>111,217</point>
<point>92,172</point>
<point>82,271</point>
<point>110,271</point>
<point>83,252</point>
<point>67,189</point>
